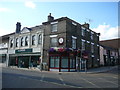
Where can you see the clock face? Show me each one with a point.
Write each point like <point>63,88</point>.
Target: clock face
<point>60,40</point>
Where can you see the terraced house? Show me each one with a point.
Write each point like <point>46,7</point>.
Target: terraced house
<point>60,44</point>
<point>69,35</point>
<point>25,47</point>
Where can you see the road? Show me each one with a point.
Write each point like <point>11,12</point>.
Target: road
<point>15,78</point>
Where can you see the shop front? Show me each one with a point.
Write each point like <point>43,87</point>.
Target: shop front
<point>25,59</point>
<point>62,60</point>
<point>3,58</point>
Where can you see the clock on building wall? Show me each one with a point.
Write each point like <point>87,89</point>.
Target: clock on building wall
<point>61,40</point>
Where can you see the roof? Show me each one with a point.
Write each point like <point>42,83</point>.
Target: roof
<point>113,43</point>
<point>66,18</point>
<point>6,36</point>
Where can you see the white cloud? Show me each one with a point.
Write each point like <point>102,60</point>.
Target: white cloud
<point>106,32</point>
<point>5,10</point>
<point>30,4</point>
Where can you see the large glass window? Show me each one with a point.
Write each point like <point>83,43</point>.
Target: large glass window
<point>16,42</point>
<point>22,42</point>
<point>72,63</point>
<point>53,27</point>
<point>54,41</point>
<point>54,62</point>
<point>64,62</point>
<point>26,41</point>
<point>40,39</point>
<point>33,40</point>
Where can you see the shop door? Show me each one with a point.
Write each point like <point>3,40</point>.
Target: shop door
<point>24,62</point>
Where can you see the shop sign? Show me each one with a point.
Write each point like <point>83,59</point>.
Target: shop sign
<point>86,57</point>
<point>23,50</point>
<point>3,55</point>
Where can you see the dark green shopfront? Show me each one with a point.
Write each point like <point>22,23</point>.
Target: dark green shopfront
<point>25,58</point>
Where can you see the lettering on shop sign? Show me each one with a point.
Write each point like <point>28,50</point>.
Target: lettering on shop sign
<point>23,50</point>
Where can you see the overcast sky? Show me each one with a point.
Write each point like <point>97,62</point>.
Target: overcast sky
<point>103,16</point>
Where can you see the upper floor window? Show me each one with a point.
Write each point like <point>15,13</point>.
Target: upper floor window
<point>17,42</point>
<point>54,27</point>
<point>40,39</point>
<point>83,31</point>
<point>92,47</point>
<point>74,42</point>
<point>33,40</point>
<point>92,35</point>
<point>83,45</point>
<point>11,43</point>
<point>53,41</point>
<point>26,41</point>
<point>22,42</point>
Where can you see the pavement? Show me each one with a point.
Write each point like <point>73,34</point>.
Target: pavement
<point>92,70</point>
<point>102,69</point>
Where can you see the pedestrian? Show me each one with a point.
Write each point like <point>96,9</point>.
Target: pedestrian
<point>23,64</point>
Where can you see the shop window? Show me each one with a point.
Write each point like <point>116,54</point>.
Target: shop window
<point>64,62</point>
<point>72,63</point>
<point>11,43</point>
<point>54,62</point>
<point>54,41</point>
<point>40,39</point>
<point>53,27</point>
<point>26,41</point>
<point>33,40</point>
<point>22,42</point>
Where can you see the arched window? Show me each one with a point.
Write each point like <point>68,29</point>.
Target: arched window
<point>11,43</point>
<point>16,42</point>
<point>40,39</point>
<point>33,40</point>
<point>22,42</point>
<point>26,41</point>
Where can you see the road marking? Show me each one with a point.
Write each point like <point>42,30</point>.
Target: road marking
<point>115,77</point>
<point>42,78</point>
<point>91,83</point>
<point>49,82</point>
<point>23,77</point>
<point>108,81</point>
<point>62,84</point>
<point>62,81</point>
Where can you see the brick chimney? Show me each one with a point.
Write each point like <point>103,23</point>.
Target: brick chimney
<point>86,25</point>
<point>50,18</point>
<point>18,27</point>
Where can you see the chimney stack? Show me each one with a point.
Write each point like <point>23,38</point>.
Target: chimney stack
<point>18,27</point>
<point>50,18</point>
<point>86,25</point>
